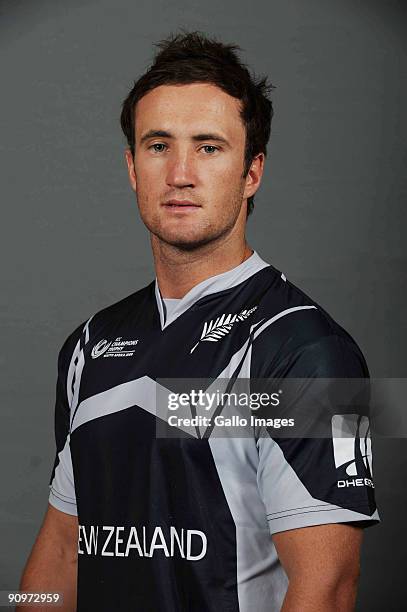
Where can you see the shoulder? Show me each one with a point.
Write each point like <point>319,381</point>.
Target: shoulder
<point>296,336</point>
<point>136,305</point>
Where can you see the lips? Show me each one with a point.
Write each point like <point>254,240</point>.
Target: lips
<point>181,204</point>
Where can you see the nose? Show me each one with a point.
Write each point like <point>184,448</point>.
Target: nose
<point>180,169</point>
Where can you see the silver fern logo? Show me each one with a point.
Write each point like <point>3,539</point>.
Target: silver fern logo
<point>218,328</point>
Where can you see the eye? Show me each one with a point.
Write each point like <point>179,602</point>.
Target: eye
<point>158,147</point>
<point>210,149</point>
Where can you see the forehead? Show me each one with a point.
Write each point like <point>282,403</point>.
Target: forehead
<point>199,106</point>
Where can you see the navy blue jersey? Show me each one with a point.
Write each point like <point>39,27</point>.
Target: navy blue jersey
<point>184,523</point>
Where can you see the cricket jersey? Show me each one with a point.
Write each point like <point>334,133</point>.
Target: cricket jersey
<point>184,521</point>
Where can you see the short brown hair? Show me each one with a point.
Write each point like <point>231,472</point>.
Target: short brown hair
<point>191,57</point>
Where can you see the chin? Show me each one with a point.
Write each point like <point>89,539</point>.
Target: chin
<point>186,243</point>
<point>186,240</point>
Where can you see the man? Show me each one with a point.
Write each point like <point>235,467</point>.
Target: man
<point>195,522</point>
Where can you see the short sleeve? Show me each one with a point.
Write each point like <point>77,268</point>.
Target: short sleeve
<point>310,480</point>
<point>62,485</point>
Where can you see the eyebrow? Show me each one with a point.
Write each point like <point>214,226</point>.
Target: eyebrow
<point>197,138</point>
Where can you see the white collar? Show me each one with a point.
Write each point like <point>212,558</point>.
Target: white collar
<point>213,284</point>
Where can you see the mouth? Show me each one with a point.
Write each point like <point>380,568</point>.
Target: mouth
<point>181,205</point>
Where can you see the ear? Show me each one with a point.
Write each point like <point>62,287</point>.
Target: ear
<point>253,178</point>
<point>130,169</point>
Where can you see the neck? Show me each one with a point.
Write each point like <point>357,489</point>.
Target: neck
<point>178,271</point>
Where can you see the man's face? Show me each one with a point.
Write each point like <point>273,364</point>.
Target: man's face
<point>188,165</point>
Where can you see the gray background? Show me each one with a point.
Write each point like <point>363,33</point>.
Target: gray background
<point>330,213</point>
